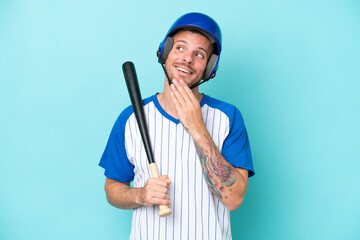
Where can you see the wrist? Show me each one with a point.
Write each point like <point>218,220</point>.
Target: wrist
<point>139,200</point>
<point>199,136</point>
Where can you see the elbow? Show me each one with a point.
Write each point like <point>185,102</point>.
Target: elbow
<point>107,193</point>
<point>107,188</point>
<point>235,204</point>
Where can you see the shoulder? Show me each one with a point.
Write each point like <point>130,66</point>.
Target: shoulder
<point>231,111</point>
<point>128,112</point>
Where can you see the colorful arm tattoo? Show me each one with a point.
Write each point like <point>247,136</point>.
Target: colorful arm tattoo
<point>218,174</point>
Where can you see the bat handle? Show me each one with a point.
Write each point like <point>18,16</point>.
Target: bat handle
<point>164,209</point>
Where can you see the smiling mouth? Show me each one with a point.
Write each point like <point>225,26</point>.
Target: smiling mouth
<point>183,70</point>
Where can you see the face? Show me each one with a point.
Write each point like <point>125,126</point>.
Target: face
<point>188,57</point>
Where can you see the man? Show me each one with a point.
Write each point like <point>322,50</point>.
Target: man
<point>200,145</point>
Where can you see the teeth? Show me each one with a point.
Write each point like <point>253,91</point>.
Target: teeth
<point>183,70</point>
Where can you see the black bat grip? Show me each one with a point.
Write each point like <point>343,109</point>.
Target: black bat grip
<point>136,101</point>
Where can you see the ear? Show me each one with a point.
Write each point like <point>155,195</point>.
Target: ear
<point>210,67</point>
<point>166,50</point>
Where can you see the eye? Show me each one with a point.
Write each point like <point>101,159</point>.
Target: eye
<point>199,55</point>
<point>179,48</point>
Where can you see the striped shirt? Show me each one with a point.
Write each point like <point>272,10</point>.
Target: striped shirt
<point>197,213</point>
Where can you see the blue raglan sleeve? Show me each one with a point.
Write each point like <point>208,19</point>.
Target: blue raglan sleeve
<point>236,147</point>
<point>114,159</point>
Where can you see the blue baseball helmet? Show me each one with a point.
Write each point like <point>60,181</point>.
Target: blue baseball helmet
<point>203,24</point>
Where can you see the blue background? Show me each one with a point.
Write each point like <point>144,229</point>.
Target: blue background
<point>291,67</point>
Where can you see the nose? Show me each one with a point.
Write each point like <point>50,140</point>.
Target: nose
<point>188,57</point>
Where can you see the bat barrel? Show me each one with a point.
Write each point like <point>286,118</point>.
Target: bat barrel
<point>136,101</point>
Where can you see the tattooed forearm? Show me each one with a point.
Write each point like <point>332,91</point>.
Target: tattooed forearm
<point>207,173</point>
<point>218,173</point>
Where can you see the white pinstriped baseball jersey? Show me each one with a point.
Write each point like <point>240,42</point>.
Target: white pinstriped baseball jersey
<point>197,213</point>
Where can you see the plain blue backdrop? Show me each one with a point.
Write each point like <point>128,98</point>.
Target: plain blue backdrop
<point>291,67</point>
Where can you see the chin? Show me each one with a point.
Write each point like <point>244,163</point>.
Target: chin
<point>189,82</point>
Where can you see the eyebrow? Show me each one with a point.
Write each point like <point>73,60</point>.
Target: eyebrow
<point>183,41</point>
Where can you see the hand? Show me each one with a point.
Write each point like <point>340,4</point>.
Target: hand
<point>155,191</point>
<point>188,108</point>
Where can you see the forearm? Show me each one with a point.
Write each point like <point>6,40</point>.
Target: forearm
<point>227,183</point>
<point>121,195</point>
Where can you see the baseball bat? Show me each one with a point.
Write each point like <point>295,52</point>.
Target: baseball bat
<point>136,101</point>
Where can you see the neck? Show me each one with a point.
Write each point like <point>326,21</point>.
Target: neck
<point>166,102</point>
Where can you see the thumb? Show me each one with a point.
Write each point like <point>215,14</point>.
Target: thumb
<point>166,178</point>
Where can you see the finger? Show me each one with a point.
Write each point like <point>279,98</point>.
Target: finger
<point>157,181</point>
<point>181,87</point>
<point>154,194</point>
<point>160,201</point>
<point>157,201</point>
<point>190,94</point>
<point>155,187</point>
<point>176,91</point>
<point>175,101</point>
<point>156,197</point>
<point>152,198</point>
<point>163,197</point>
